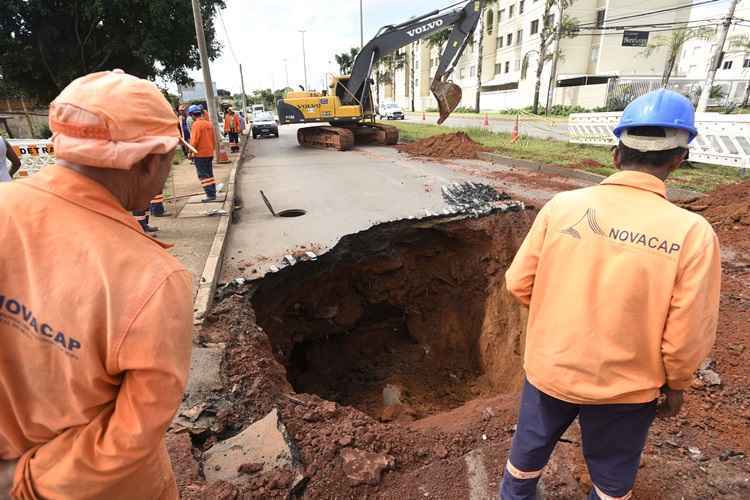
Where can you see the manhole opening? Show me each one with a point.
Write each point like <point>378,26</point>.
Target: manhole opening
<point>292,212</point>
<point>402,322</point>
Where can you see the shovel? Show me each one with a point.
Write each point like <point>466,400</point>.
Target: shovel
<point>448,97</point>
<point>292,212</point>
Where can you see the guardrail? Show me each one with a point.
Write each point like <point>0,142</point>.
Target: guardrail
<point>722,139</point>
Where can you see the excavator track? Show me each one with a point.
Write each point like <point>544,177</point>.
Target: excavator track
<point>338,138</point>
<point>375,133</point>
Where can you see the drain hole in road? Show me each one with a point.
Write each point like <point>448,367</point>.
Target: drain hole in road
<point>292,212</point>
<point>404,320</point>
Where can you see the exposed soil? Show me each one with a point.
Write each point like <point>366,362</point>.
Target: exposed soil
<point>728,210</point>
<point>445,146</point>
<point>417,305</point>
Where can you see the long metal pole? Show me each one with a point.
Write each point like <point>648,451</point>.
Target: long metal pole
<point>201,36</point>
<point>361,27</point>
<point>553,71</point>
<point>304,56</point>
<point>715,60</point>
<point>286,72</point>
<point>244,98</point>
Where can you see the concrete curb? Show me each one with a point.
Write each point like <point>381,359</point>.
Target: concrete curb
<point>674,194</point>
<point>207,286</point>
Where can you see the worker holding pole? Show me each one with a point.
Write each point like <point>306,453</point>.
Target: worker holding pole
<point>95,316</point>
<point>623,294</point>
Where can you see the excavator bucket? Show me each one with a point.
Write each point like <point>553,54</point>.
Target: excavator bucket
<point>448,96</point>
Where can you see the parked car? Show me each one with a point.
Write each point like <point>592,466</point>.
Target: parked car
<point>264,124</point>
<point>391,111</point>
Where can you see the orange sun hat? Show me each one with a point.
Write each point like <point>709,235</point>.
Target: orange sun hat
<point>111,120</point>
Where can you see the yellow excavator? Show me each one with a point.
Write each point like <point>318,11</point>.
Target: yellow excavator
<point>348,107</point>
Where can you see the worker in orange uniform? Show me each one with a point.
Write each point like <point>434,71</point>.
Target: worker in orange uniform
<point>203,139</point>
<point>232,129</point>
<point>623,294</point>
<point>95,329</point>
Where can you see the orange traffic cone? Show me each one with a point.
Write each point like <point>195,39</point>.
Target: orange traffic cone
<point>486,122</point>
<point>223,155</point>
<point>514,136</point>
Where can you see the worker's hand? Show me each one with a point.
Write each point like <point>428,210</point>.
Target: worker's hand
<point>7,472</point>
<point>671,403</point>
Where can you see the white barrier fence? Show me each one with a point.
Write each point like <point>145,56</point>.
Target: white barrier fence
<point>33,153</point>
<point>722,139</point>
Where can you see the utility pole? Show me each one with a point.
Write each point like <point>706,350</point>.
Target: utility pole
<point>553,71</point>
<point>201,36</point>
<point>304,56</point>
<point>413,75</point>
<point>716,59</point>
<point>244,97</point>
<point>286,72</point>
<point>361,27</point>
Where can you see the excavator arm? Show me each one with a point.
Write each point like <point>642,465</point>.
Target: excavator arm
<point>461,21</point>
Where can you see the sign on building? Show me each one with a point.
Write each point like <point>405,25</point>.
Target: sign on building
<point>195,92</point>
<point>33,153</point>
<point>635,38</point>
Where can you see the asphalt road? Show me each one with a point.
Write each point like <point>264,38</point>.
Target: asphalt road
<point>542,129</point>
<point>342,192</point>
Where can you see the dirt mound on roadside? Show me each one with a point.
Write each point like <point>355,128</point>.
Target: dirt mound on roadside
<point>728,210</point>
<point>445,146</point>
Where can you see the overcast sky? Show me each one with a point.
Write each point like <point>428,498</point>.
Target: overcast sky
<point>264,33</point>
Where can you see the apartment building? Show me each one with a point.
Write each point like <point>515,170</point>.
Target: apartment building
<point>591,59</point>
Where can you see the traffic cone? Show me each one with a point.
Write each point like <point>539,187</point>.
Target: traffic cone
<point>486,122</point>
<point>223,155</point>
<point>514,136</point>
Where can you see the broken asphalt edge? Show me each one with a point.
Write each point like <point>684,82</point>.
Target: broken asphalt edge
<point>212,269</point>
<point>674,194</point>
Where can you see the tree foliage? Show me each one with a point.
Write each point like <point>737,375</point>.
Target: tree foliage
<point>267,97</point>
<point>45,44</point>
<point>345,60</point>
<point>673,43</point>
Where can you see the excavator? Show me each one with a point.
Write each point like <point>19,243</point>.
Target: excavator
<point>347,106</point>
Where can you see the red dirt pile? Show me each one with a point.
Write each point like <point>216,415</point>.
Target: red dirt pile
<point>728,210</point>
<point>445,146</point>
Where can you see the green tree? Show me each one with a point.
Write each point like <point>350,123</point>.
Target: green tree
<point>388,66</point>
<point>673,43</point>
<point>45,44</point>
<point>486,25</point>
<point>345,60</point>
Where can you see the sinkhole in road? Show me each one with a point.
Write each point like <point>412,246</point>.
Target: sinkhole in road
<point>405,320</point>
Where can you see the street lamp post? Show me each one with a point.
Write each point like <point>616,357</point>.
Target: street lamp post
<point>304,56</point>
<point>286,72</point>
<point>361,27</point>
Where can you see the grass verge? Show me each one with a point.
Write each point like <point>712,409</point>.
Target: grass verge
<point>698,176</point>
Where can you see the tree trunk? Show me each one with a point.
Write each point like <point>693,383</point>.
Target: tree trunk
<point>667,71</point>
<point>480,61</point>
<point>747,94</point>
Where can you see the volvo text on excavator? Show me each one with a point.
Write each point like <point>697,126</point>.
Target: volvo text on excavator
<point>348,107</point>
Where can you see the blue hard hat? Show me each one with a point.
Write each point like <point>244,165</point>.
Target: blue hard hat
<point>195,108</point>
<point>660,108</point>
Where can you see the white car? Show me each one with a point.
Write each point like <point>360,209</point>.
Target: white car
<point>391,111</point>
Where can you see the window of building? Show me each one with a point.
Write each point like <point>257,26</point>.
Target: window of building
<point>462,73</point>
<point>500,15</point>
<point>507,66</point>
<point>490,21</point>
<point>600,17</point>
<point>519,37</point>
<point>727,65</point>
<point>746,63</point>
<point>551,20</point>
<point>498,68</point>
<point>472,72</point>
<point>500,42</point>
<point>535,26</point>
<point>511,11</point>
<point>509,39</point>
<point>520,7</point>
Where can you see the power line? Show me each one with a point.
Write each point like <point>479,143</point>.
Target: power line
<point>686,24</point>
<point>605,33</point>
<point>229,40</point>
<point>642,14</point>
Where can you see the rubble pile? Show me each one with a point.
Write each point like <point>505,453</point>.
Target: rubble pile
<point>728,210</point>
<point>446,146</point>
<point>473,197</point>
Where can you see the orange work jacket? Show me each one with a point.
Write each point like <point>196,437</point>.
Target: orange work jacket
<point>95,340</point>
<point>232,123</point>
<point>623,292</point>
<point>202,138</point>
